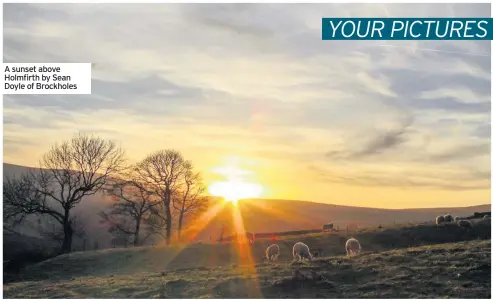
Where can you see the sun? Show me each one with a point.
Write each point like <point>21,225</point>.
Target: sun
<point>234,190</point>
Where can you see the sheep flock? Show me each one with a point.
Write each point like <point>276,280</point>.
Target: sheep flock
<point>302,252</point>
<point>461,222</point>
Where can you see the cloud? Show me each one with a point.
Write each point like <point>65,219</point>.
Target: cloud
<point>483,131</point>
<point>388,139</point>
<point>233,18</point>
<point>418,175</point>
<point>479,181</point>
<point>256,79</point>
<point>462,152</point>
<point>464,95</point>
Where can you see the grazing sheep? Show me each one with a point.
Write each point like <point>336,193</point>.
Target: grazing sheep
<point>272,252</point>
<point>465,224</point>
<point>448,218</point>
<point>353,247</point>
<point>328,227</point>
<point>440,219</point>
<point>300,251</point>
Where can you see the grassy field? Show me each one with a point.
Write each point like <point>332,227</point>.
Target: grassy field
<point>401,262</point>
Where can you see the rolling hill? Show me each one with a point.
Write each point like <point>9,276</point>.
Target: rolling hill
<point>418,261</point>
<point>264,215</point>
<point>261,215</point>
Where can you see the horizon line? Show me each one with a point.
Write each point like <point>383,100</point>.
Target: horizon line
<point>318,202</point>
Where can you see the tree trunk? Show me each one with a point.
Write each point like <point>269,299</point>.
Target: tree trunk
<point>136,235</point>
<point>67,238</point>
<point>180,224</point>
<point>168,224</point>
<point>169,221</point>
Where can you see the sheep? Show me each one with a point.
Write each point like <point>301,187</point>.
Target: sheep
<point>272,252</point>
<point>301,251</point>
<point>457,218</point>
<point>440,219</point>
<point>353,247</point>
<point>465,224</point>
<point>328,227</point>
<point>448,218</point>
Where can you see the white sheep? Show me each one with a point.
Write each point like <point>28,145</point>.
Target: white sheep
<point>465,224</point>
<point>272,252</point>
<point>300,251</point>
<point>328,227</point>
<point>448,218</point>
<point>440,219</point>
<point>353,246</point>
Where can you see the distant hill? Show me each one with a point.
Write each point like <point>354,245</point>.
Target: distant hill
<point>88,210</point>
<point>265,215</point>
<point>12,170</point>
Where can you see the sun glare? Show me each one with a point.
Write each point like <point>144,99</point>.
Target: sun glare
<point>234,190</point>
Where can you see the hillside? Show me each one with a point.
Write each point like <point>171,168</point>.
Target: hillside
<point>262,215</point>
<point>424,261</point>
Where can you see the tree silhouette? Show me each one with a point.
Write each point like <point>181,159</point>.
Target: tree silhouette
<point>163,172</point>
<point>68,172</point>
<point>189,199</point>
<point>132,207</point>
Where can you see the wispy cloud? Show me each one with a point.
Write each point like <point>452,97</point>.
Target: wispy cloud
<point>256,80</point>
<point>478,181</point>
<point>387,139</point>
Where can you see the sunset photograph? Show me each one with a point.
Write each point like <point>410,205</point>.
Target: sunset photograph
<point>228,151</point>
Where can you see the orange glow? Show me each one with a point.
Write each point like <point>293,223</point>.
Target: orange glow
<point>190,234</point>
<point>235,187</point>
<point>245,255</point>
<point>201,222</point>
<point>235,190</point>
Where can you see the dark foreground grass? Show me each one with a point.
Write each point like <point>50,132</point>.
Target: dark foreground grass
<point>131,261</point>
<point>452,270</point>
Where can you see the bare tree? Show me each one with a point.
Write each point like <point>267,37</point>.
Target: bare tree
<point>68,172</point>
<point>133,206</point>
<point>189,199</point>
<point>120,238</point>
<point>163,172</point>
<point>156,222</point>
<point>21,200</point>
<point>53,230</point>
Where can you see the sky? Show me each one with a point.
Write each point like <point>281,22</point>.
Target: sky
<point>390,124</point>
